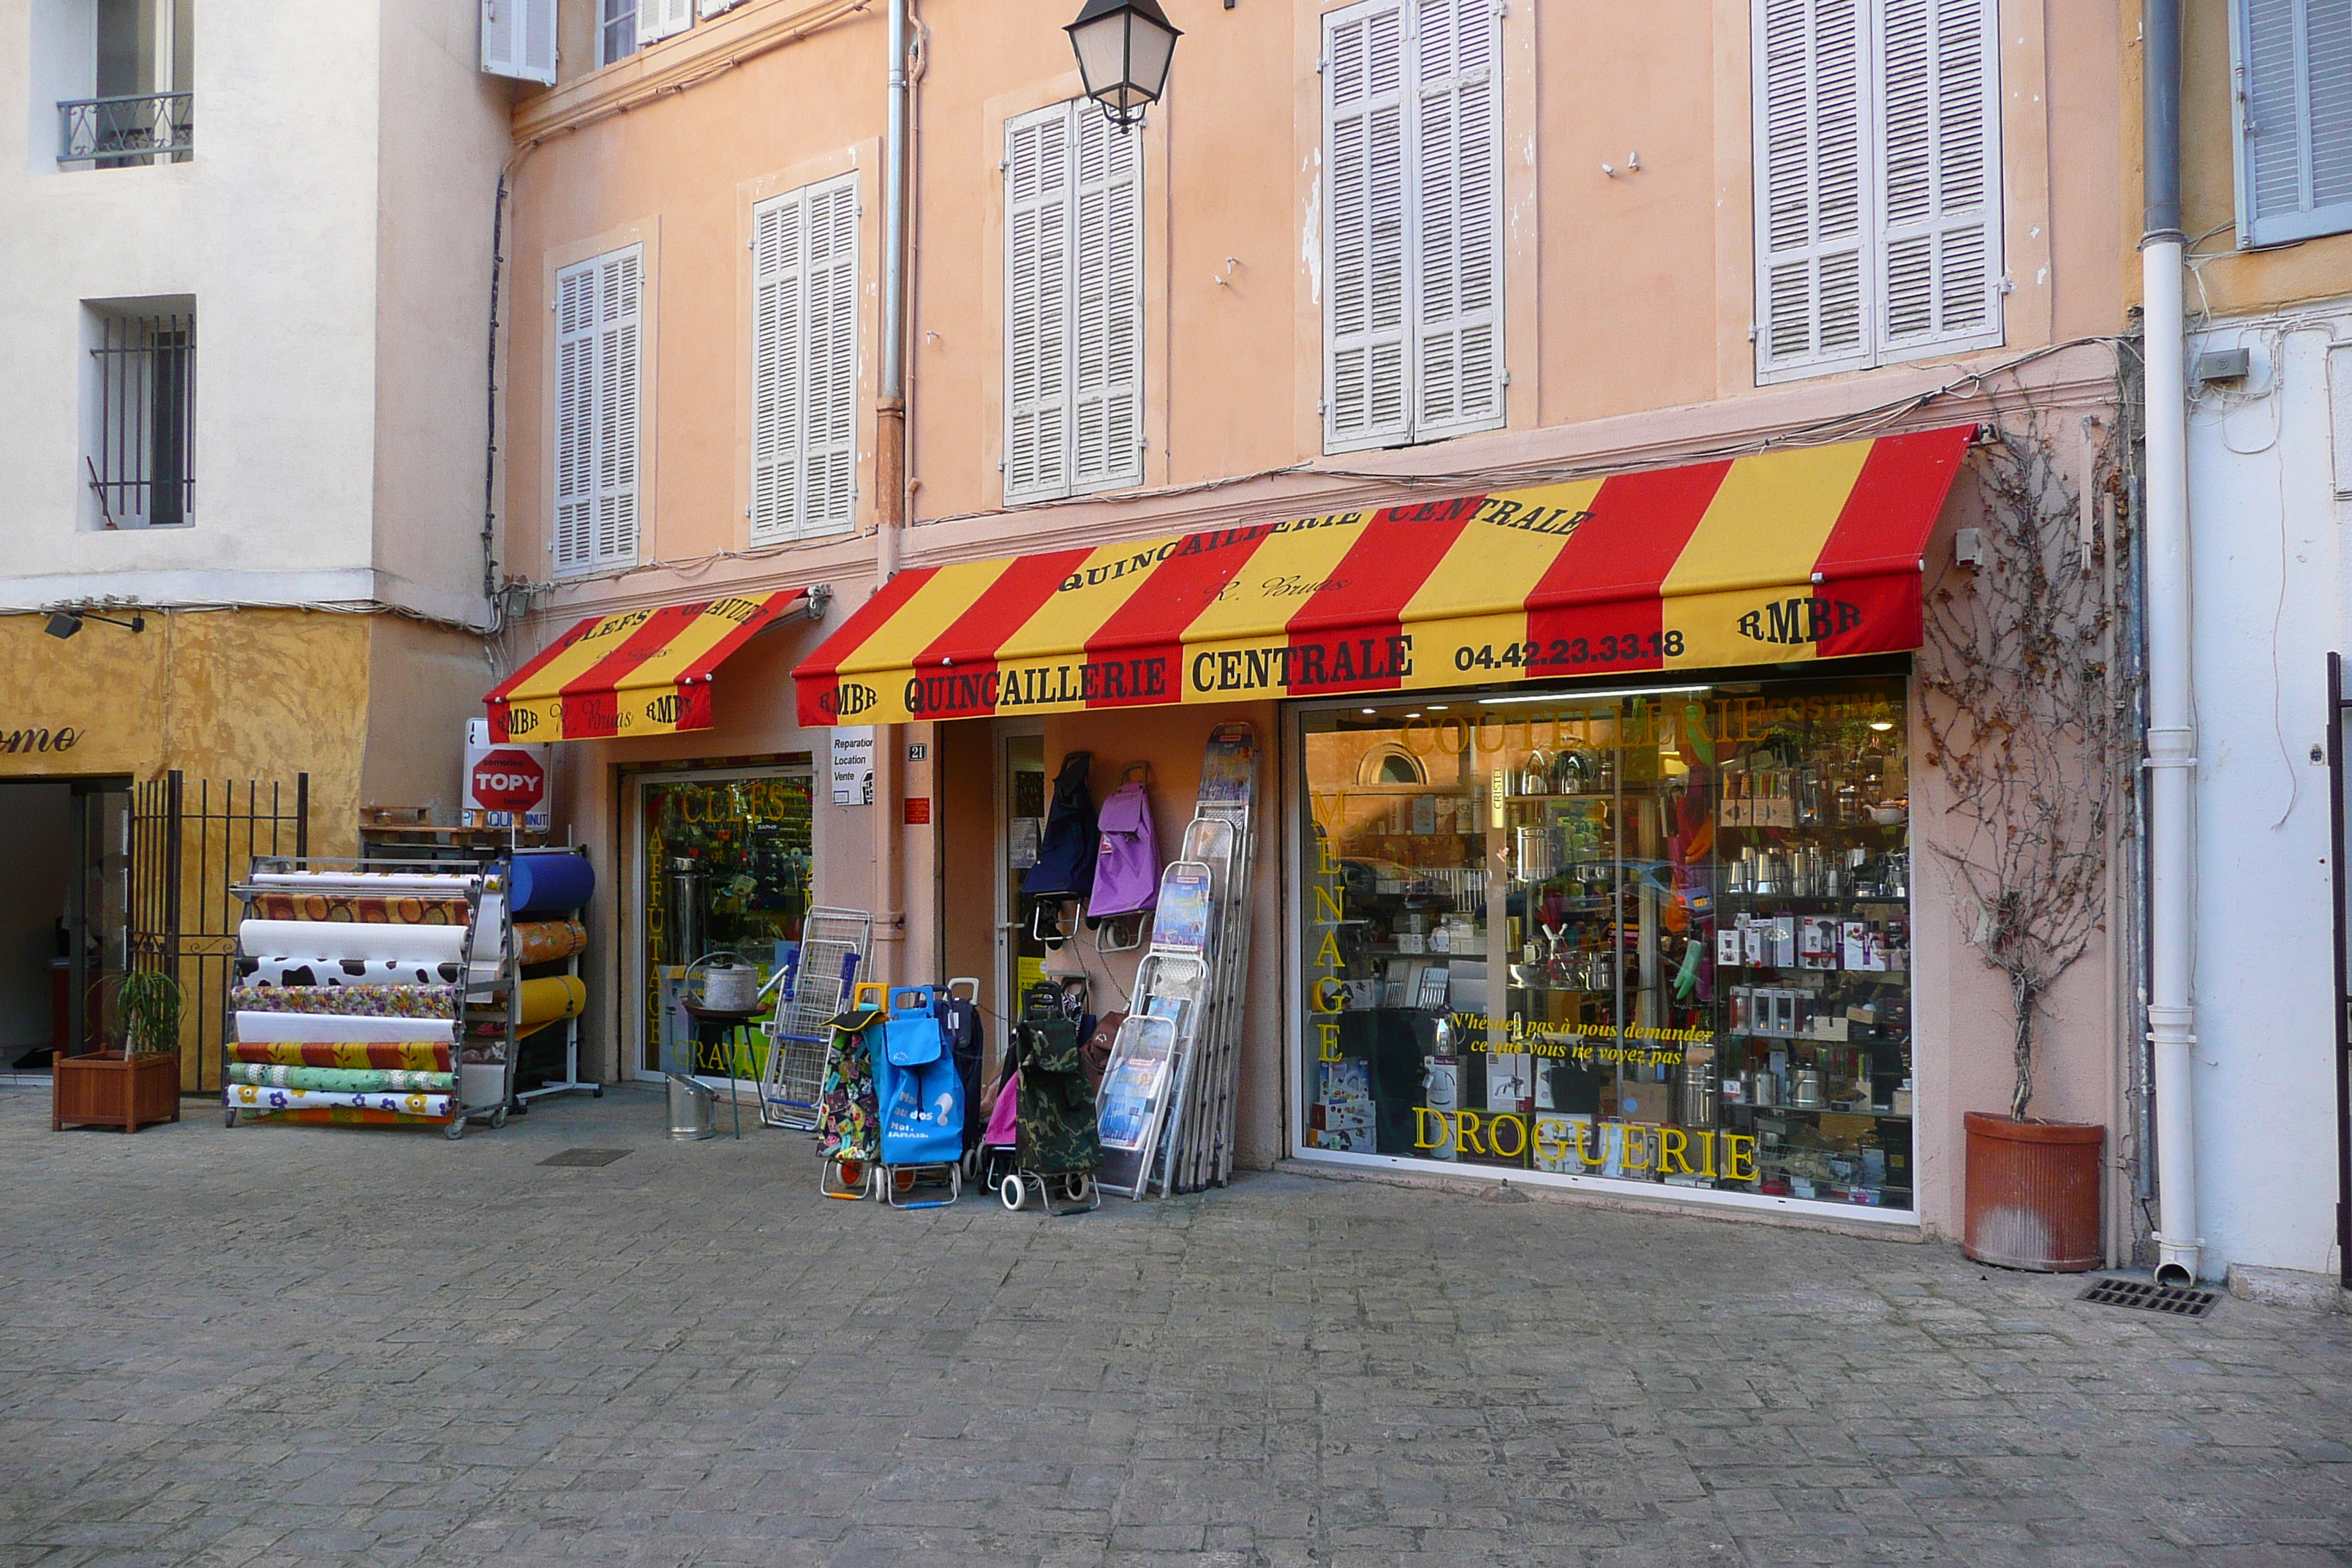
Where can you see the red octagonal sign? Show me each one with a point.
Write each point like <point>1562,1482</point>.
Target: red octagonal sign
<point>509,781</point>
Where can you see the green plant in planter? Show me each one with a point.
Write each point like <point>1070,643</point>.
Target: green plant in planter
<point>147,1003</point>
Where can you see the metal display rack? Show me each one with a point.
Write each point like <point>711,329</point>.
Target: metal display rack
<point>816,990</point>
<point>489,988</point>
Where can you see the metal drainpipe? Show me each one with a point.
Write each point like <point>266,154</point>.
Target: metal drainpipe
<point>2172,740</point>
<point>890,499</point>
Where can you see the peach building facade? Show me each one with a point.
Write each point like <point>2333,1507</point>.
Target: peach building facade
<point>694,408</point>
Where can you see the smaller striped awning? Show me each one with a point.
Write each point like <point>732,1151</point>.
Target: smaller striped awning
<point>643,672</point>
<point>1791,555</point>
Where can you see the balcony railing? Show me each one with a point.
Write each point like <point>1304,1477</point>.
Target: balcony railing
<point>140,127</point>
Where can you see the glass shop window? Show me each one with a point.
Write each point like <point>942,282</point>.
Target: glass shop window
<point>1657,937</point>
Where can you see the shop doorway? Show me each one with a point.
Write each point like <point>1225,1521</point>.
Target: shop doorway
<point>38,986</point>
<point>721,862</point>
<point>1021,826</point>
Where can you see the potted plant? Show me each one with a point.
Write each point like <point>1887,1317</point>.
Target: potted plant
<point>2028,722</point>
<point>138,1084</point>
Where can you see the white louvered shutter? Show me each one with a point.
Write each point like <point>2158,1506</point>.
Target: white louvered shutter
<point>805,362</point>
<point>1457,233</point>
<point>778,338</point>
<point>1814,231</point>
<point>1938,162</point>
<point>2294,119</point>
<point>712,7</point>
<point>1365,285</point>
<point>575,417</point>
<point>620,288</point>
<point>1037,305</point>
<point>829,461</point>
<point>518,40</point>
<point>658,19</point>
<point>1107,327</point>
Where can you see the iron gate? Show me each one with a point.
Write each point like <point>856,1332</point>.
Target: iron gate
<point>189,843</point>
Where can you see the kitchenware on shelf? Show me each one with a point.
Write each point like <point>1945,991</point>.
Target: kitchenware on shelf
<point>1534,773</point>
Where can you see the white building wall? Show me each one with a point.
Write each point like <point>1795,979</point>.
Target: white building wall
<point>2271,594</point>
<point>273,229</point>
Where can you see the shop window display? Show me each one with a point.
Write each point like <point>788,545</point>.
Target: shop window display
<point>1658,936</point>
<point>726,870</point>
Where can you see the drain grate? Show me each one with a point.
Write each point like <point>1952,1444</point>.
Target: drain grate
<point>584,1157</point>
<point>2173,1300</point>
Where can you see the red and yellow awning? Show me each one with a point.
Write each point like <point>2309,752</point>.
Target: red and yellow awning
<point>645,672</point>
<point>1803,554</point>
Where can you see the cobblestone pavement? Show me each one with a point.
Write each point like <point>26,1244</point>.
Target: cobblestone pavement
<point>280,1345</point>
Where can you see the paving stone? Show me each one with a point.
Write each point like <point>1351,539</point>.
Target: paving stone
<point>333,1345</point>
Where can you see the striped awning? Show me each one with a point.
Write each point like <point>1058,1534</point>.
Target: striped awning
<point>1804,554</point>
<point>645,672</point>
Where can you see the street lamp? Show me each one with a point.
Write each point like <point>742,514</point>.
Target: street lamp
<point>1123,49</point>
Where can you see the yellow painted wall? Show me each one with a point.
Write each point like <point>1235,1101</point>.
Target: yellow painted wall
<point>218,694</point>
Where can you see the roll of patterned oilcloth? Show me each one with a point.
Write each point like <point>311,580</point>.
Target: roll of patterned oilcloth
<point>280,969</point>
<point>551,1000</point>
<point>447,884</point>
<point>300,1029</point>
<point>343,1116</point>
<point>411,944</point>
<point>358,909</point>
<point>549,941</point>
<point>357,1001</point>
<point>262,1097</point>
<point>412,1055</point>
<point>345,1080</point>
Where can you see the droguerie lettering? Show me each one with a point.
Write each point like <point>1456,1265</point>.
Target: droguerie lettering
<point>1802,620</point>
<point>1342,662</point>
<point>1142,678</point>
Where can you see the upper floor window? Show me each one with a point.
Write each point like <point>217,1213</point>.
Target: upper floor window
<point>1412,194</point>
<point>1877,181</point>
<point>625,27</point>
<point>1074,304</point>
<point>139,413</point>
<point>598,307</point>
<point>518,39</point>
<point>805,362</point>
<point>135,102</point>
<point>2295,118</point>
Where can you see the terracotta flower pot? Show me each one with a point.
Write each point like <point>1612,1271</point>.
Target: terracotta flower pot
<point>108,1088</point>
<point>2032,1195</point>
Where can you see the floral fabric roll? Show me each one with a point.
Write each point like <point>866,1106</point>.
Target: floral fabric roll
<point>549,941</point>
<point>362,909</point>
<point>414,1056</point>
<point>262,1097</point>
<point>363,1001</point>
<point>344,1080</point>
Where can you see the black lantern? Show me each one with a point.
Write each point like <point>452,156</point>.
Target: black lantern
<point>1123,49</point>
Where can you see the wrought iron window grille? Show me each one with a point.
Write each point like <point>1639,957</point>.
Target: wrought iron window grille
<point>140,458</point>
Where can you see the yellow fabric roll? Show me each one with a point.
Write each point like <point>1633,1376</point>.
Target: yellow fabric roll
<point>551,1000</point>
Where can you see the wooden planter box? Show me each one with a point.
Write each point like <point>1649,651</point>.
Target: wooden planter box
<point>108,1089</point>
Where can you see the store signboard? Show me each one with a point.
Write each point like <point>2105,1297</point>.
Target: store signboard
<point>480,809</point>
<point>852,766</point>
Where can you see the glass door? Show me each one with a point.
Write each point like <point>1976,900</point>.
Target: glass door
<point>1020,811</point>
<point>722,863</point>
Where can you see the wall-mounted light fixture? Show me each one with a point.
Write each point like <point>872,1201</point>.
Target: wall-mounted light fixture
<point>1124,48</point>
<point>66,623</point>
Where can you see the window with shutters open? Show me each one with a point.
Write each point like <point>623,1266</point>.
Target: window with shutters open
<point>1412,179</point>
<point>1074,304</point>
<point>2294,60</point>
<point>598,309</point>
<point>1877,182</point>
<point>518,39</point>
<point>805,362</point>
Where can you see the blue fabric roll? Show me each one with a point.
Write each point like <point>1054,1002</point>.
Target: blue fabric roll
<point>549,882</point>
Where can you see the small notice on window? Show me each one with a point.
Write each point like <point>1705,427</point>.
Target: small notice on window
<point>1026,832</point>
